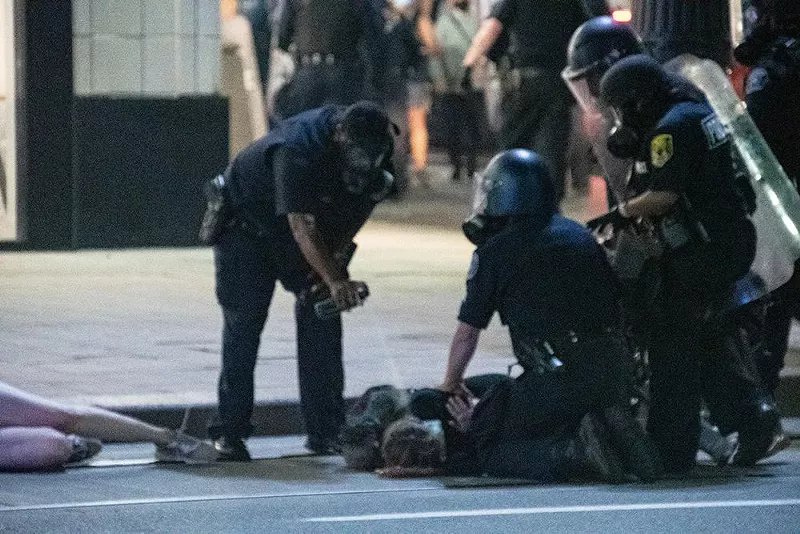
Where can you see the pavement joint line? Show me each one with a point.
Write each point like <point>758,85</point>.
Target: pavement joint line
<point>202,498</point>
<point>556,510</point>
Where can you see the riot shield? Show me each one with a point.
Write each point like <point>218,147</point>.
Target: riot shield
<point>777,204</point>
<point>597,123</point>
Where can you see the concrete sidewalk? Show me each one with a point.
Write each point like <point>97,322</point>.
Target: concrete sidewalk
<point>139,330</point>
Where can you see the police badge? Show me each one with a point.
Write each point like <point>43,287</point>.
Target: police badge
<point>661,150</point>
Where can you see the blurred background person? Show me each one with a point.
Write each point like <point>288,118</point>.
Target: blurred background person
<point>455,28</point>
<point>536,103</point>
<point>338,48</point>
<point>405,66</point>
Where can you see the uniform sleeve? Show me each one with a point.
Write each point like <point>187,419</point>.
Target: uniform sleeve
<point>505,11</point>
<point>478,306</point>
<point>294,182</point>
<point>673,157</point>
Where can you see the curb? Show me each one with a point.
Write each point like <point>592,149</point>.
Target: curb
<point>283,417</point>
<point>271,418</point>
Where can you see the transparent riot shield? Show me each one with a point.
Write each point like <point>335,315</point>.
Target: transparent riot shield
<point>597,123</point>
<point>777,213</point>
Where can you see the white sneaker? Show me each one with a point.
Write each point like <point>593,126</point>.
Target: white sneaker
<point>187,449</point>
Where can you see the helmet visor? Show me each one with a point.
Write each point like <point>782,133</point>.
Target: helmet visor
<point>585,89</point>
<point>480,193</point>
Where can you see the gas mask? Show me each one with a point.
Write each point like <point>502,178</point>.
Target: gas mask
<point>362,166</point>
<point>479,227</point>
<point>623,142</point>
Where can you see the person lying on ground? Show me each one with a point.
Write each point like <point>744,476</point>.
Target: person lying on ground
<point>40,434</point>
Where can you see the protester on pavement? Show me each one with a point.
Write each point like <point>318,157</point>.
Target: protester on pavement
<point>39,434</point>
<point>291,204</point>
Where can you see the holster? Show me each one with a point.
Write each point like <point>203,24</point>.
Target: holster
<point>680,227</point>
<point>218,214</point>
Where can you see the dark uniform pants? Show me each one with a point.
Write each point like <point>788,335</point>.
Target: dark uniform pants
<point>545,409</point>
<point>246,271</point>
<point>536,116</point>
<point>693,359</point>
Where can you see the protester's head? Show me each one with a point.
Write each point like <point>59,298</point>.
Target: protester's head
<point>409,443</point>
<point>515,183</point>
<point>361,446</point>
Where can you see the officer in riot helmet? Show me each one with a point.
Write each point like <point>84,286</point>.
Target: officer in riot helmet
<point>683,183</point>
<point>287,209</point>
<point>551,284</point>
<point>772,94</point>
<point>596,45</point>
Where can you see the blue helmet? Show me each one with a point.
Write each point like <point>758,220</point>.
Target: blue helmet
<point>517,182</point>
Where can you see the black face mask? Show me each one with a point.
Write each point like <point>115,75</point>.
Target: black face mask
<point>362,164</point>
<point>479,228</point>
<point>623,142</point>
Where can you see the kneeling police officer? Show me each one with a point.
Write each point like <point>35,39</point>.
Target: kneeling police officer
<point>293,201</point>
<point>553,287</point>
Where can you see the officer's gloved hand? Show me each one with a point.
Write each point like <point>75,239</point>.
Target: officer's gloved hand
<point>348,294</point>
<point>613,218</point>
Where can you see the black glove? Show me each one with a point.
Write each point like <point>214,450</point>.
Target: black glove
<point>613,217</point>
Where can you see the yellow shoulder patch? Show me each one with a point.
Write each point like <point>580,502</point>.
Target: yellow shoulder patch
<point>661,150</point>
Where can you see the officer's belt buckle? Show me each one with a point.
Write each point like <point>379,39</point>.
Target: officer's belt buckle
<point>317,58</point>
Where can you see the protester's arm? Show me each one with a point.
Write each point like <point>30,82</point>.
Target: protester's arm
<point>490,30</point>
<point>462,349</point>
<point>426,29</point>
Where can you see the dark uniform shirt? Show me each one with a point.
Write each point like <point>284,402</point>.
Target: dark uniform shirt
<point>540,29</point>
<point>295,169</point>
<point>541,281</point>
<point>689,153</point>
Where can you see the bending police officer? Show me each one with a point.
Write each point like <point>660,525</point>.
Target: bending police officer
<point>684,182</point>
<point>297,197</point>
<point>597,45</point>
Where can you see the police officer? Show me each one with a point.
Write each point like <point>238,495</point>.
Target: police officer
<point>773,101</point>
<point>297,197</point>
<point>536,104</point>
<point>684,183</point>
<point>551,284</point>
<point>335,44</point>
<point>597,44</point>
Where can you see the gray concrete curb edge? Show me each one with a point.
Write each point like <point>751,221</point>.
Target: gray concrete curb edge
<point>283,417</point>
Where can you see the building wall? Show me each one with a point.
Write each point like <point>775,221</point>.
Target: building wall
<point>145,47</point>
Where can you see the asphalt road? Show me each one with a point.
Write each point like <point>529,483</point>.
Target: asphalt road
<point>284,492</point>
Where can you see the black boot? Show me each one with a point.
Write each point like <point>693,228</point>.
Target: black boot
<point>638,452</point>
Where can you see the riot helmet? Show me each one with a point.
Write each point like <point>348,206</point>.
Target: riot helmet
<point>515,182</point>
<point>638,91</point>
<point>365,140</point>
<point>596,45</point>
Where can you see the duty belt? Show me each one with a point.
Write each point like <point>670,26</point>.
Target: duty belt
<point>318,58</point>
